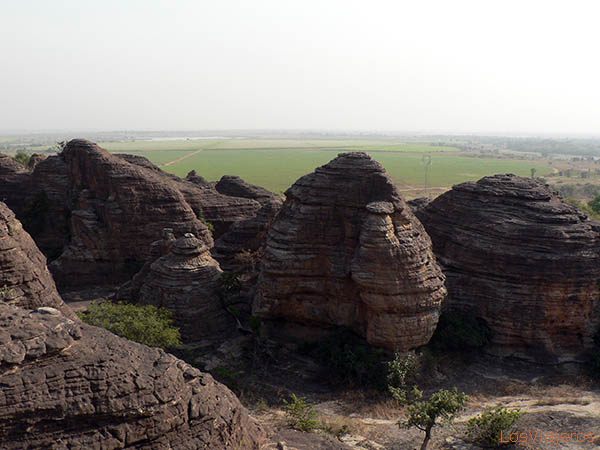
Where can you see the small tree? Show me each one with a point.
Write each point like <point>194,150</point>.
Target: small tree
<point>401,377</point>
<point>443,404</point>
<point>485,428</point>
<point>300,414</point>
<point>145,324</point>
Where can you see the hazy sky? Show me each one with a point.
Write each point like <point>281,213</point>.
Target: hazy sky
<point>453,66</point>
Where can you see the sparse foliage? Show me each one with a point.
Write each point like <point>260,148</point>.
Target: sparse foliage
<point>145,324</point>
<point>300,414</point>
<point>442,405</point>
<point>22,156</point>
<point>401,378</point>
<point>485,428</point>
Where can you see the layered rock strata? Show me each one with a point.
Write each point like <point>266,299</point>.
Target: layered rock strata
<point>77,386</point>
<point>518,257</point>
<point>24,278</point>
<point>65,384</point>
<point>346,251</point>
<point>185,280</point>
<point>118,209</point>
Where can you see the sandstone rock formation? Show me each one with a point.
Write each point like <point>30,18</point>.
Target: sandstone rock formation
<point>236,187</point>
<point>345,250</point>
<point>240,248</point>
<point>118,209</point>
<point>65,384</point>
<point>69,385</point>
<point>15,183</point>
<point>24,278</point>
<point>220,210</point>
<point>518,257</point>
<point>185,280</point>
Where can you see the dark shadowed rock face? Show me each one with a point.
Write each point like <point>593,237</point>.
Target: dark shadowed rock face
<point>522,260</point>
<point>240,248</point>
<point>236,187</point>
<point>65,384</point>
<point>118,209</point>
<point>345,250</point>
<point>15,183</point>
<point>83,387</point>
<point>24,278</point>
<point>184,280</point>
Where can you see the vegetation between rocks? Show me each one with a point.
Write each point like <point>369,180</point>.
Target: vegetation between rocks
<point>145,324</point>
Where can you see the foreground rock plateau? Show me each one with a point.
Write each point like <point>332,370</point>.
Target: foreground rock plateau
<point>518,257</point>
<point>346,251</point>
<point>65,384</point>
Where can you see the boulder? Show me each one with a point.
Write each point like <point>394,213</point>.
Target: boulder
<point>346,251</point>
<point>518,257</point>
<point>70,385</point>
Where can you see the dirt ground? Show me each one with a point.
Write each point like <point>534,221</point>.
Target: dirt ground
<point>352,417</point>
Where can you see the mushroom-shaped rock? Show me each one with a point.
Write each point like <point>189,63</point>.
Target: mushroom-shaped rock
<point>185,280</point>
<point>518,257</point>
<point>345,250</point>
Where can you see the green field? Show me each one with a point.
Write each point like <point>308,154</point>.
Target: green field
<point>276,164</point>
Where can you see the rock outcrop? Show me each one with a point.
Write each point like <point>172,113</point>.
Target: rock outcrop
<point>76,386</point>
<point>185,280</point>
<point>237,187</point>
<point>345,250</point>
<point>519,258</point>
<point>24,278</point>
<point>118,209</point>
<point>69,385</point>
<point>240,248</point>
<point>15,183</point>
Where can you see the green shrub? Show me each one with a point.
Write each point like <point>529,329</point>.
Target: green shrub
<point>145,324</point>
<point>485,428</point>
<point>22,156</point>
<point>229,283</point>
<point>300,414</point>
<point>349,359</point>
<point>402,376</point>
<point>423,415</point>
<point>460,331</point>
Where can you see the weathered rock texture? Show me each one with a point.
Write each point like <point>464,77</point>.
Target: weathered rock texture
<point>69,385</point>
<point>64,384</point>
<point>240,248</point>
<point>24,278</point>
<point>15,183</point>
<point>185,280</point>
<point>118,209</point>
<point>220,210</point>
<point>345,250</point>
<point>236,187</point>
<point>518,257</point>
